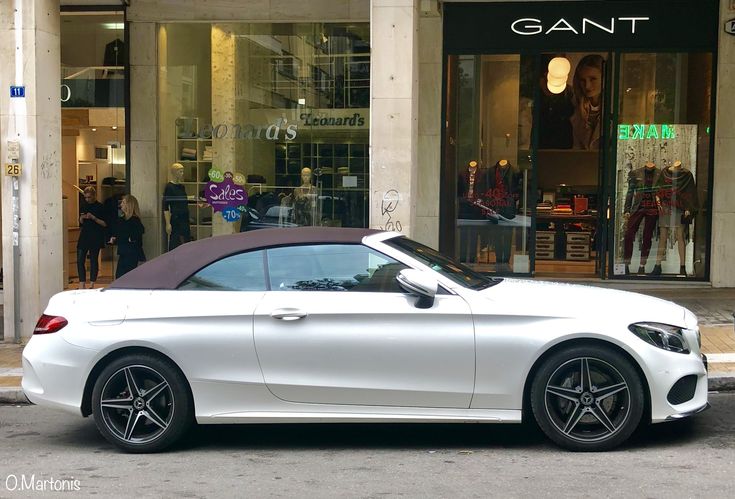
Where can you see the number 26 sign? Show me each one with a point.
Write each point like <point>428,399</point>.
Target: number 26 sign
<point>13,169</point>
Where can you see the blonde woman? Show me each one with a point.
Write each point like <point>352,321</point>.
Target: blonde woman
<point>128,236</point>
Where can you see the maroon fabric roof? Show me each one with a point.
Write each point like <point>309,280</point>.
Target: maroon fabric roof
<point>172,268</point>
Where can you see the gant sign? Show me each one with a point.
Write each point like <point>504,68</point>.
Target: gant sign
<point>581,26</point>
<point>529,26</point>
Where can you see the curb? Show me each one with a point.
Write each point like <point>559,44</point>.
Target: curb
<point>15,396</point>
<point>722,383</point>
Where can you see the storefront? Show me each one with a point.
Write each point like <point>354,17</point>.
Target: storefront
<point>262,125</point>
<point>578,138</point>
<point>93,43</point>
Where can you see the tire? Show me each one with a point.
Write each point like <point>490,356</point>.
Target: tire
<point>597,414</point>
<point>158,413</point>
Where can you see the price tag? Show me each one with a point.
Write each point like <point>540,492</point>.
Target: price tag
<point>13,169</point>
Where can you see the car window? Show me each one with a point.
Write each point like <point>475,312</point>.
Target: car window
<point>241,272</point>
<point>332,267</point>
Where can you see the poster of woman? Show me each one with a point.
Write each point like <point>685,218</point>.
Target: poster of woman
<point>588,100</point>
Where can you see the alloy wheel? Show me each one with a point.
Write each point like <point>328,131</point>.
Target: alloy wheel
<point>587,399</point>
<point>137,404</point>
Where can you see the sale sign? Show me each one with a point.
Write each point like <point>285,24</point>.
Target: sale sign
<point>226,194</point>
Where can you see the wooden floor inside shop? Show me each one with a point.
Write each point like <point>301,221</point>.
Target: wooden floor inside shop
<point>565,268</point>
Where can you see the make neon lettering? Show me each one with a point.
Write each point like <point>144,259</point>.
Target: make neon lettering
<point>641,131</point>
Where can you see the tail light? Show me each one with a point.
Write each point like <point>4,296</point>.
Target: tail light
<point>49,324</point>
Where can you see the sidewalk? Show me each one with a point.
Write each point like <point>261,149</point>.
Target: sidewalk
<point>714,308</point>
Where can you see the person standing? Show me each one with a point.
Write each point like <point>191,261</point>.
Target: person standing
<point>91,237</point>
<point>128,237</point>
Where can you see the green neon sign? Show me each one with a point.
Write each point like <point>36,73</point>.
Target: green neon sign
<point>641,131</point>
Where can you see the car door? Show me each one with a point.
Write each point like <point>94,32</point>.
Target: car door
<point>335,328</point>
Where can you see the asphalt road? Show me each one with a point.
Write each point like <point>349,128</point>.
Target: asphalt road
<point>694,458</point>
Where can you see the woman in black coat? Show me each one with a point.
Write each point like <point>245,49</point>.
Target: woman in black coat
<point>128,236</point>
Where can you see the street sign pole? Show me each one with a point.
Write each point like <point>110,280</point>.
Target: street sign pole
<point>16,258</point>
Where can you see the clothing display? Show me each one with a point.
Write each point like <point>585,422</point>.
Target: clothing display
<point>176,201</point>
<point>640,204</point>
<point>501,187</point>
<point>114,53</point>
<point>676,193</point>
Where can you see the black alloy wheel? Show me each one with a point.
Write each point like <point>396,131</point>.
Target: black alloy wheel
<point>141,403</point>
<point>587,398</point>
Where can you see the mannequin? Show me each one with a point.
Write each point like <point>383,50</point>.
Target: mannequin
<point>304,200</point>
<point>176,208</point>
<point>676,196</point>
<point>640,207</point>
<point>500,195</point>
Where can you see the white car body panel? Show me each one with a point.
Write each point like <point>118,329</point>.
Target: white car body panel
<point>402,356</point>
<point>467,359</point>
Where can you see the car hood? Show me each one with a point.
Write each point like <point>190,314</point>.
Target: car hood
<point>561,300</point>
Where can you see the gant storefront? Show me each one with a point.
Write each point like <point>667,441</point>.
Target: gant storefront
<point>578,138</point>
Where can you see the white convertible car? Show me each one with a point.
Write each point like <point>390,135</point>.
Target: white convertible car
<point>353,325</point>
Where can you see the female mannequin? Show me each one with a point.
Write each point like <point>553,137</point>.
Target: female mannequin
<point>677,201</point>
<point>640,207</point>
<point>176,208</point>
<point>304,200</point>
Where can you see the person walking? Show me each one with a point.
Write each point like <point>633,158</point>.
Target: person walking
<point>91,237</point>
<point>128,236</point>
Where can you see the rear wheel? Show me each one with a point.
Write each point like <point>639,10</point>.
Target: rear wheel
<point>141,403</point>
<point>587,398</point>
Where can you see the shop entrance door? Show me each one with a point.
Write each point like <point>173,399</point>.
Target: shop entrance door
<point>525,146</point>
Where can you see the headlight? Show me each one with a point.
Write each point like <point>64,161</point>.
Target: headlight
<point>669,338</point>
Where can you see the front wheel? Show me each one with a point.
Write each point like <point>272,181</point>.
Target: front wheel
<point>141,403</point>
<point>587,398</point>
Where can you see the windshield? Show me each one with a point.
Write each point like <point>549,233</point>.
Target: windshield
<point>440,263</point>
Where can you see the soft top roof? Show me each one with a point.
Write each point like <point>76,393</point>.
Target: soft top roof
<point>172,268</point>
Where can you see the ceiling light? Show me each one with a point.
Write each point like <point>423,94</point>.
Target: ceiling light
<point>114,128</point>
<point>94,129</point>
<point>556,78</point>
<point>113,25</point>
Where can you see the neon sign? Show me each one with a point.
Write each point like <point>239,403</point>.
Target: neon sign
<point>645,132</point>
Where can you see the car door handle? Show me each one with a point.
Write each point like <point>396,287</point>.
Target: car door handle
<point>288,314</point>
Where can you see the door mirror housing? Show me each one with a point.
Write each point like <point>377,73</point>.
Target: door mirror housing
<point>420,284</point>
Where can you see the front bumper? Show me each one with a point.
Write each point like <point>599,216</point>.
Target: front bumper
<point>54,372</point>
<point>665,370</point>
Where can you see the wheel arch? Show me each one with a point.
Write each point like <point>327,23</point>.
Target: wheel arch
<point>575,342</point>
<point>111,357</point>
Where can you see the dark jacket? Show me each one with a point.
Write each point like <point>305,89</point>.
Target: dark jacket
<point>637,188</point>
<point>676,188</point>
<point>129,238</point>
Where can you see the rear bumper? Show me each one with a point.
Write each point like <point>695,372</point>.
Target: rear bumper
<point>54,372</point>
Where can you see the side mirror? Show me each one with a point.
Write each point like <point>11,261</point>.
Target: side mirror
<point>420,284</point>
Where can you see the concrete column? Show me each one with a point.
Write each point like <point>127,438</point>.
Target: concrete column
<point>30,56</point>
<point>224,108</point>
<point>394,114</point>
<point>428,165</point>
<point>143,137</point>
<point>723,208</point>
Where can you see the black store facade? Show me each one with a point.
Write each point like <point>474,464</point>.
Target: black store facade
<point>578,138</point>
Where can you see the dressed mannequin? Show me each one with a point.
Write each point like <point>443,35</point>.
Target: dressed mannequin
<point>676,196</point>
<point>304,200</point>
<point>176,208</point>
<point>640,207</point>
<point>502,187</point>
